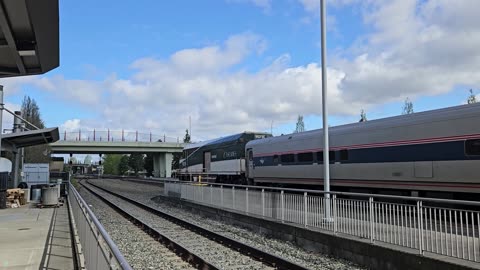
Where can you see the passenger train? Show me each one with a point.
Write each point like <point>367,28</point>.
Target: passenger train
<point>434,153</point>
<point>218,160</point>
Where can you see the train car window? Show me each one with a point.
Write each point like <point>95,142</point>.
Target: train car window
<point>472,147</point>
<point>305,157</point>
<point>287,158</point>
<point>331,155</point>
<point>320,156</point>
<point>344,155</point>
<point>275,159</point>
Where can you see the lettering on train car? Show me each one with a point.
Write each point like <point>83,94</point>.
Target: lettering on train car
<point>231,154</point>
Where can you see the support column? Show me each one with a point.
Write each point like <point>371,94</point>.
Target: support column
<point>162,164</point>
<point>168,164</point>
<point>17,127</point>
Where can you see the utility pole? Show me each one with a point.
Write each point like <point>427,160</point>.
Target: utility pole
<point>1,115</point>
<point>17,127</point>
<point>326,161</point>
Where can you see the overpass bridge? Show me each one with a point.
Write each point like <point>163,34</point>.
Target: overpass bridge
<point>125,144</point>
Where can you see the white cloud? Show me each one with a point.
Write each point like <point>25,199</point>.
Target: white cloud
<point>14,84</point>
<point>415,48</point>
<point>201,83</point>
<point>71,124</point>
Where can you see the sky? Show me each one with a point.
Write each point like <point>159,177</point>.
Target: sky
<point>237,65</point>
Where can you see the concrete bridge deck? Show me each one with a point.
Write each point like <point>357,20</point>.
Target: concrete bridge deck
<point>119,147</point>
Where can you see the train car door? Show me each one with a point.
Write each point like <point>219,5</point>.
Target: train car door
<point>250,163</point>
<point>207,157</point>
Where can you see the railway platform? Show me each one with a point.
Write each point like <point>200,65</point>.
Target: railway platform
<point>34,238</point>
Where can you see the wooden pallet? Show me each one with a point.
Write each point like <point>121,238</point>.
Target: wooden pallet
<point>15,198</point>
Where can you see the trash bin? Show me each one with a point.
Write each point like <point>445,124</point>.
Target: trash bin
<point>3,199</point>
<point>3,181</point>
<point>36,193</point>
<point>50,195</point>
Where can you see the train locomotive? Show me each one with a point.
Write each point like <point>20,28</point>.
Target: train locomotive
<point>220,160</point>
<point>434,153</point>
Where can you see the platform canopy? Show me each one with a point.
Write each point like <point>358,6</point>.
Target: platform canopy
<point>13,141</point>
<point>29,37</point>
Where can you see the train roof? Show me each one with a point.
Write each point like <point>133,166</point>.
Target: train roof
<point>385,123</point>
<point>229,138</point>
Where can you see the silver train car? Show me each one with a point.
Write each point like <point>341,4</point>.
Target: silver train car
<point>434,153</point>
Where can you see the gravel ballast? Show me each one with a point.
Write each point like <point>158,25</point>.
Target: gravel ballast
<point>144,192</point>
<point>214,253</point>
<point>139,249</point>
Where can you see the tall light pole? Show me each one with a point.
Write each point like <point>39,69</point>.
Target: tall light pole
<point>326,161</point>
<point>1,115</point>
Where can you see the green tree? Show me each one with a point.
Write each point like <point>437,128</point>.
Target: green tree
<point>363,116</point>
<point>87,160</point>
<point>300,125</point>
<point>186,139</point>
<point>31,113</point>
<point>111,164</point>
<point>472,98</point>
<point>176,161</point>
<point>123,165</point>
<point>135,162</point>
<point>148,164</point>
<point>407,107</point>
<point>73,160</point>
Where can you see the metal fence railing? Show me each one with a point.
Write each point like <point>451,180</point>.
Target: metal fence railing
<point>116,136</point>
<point>417,223</point>
<point>99,251</point>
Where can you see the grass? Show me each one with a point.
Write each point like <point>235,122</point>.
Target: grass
<point>75,183</point>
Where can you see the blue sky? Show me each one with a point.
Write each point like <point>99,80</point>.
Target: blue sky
<point>235,65</point>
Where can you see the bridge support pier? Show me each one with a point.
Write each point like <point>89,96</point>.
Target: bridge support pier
<point>162,164</point>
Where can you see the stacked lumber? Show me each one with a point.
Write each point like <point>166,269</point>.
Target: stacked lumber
<point>15,198</point>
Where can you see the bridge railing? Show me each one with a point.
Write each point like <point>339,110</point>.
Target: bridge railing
<point>116,136</point>
<point>437,226</point>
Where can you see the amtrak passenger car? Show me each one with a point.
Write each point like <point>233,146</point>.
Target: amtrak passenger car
<point>435,151</point>
<point>218,160</point>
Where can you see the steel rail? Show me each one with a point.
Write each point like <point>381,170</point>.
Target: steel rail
<point>245,249</point>
<point>178,249</point>
<point>116,252</point>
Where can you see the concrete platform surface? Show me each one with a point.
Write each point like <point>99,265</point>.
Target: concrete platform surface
<point>34,238</point>
<point>23,236</point>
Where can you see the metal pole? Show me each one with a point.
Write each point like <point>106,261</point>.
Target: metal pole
<point>326,161</point>
<point>22,155</point>
<point>1,115</point>
<point>17,127</point>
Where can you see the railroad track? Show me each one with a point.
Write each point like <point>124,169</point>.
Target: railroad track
<point>202,248</point>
